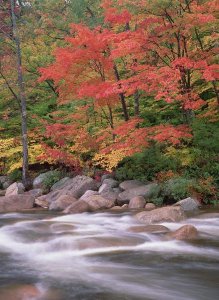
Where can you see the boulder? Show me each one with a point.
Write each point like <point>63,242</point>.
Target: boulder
<point>14,203</point>
<point>150,206</point>
<point>163,214</point>
<point>88,194</point>
<point>62,203</point>
<point>98,202</point>
<point>111,182</point>
<point>143,190</point>
<point>35,193</point>
<point>75,187</point>
<point>186,232</point>
<point>60,184</point>
<point>188,204</point>
<point>116,207</point>
<point>42,201</point>
<point>137,202</point>
<point>108,192</point>
<point>39,181</point>
<point>130,184</point>
<point>149,229</point>
<point>77,207</point>
<point>106,176</point>
<point>15,189</point>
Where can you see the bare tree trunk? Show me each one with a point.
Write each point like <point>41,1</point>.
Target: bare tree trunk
<point>122,96</point>
<point>22,96</point>
<point>136,103</point>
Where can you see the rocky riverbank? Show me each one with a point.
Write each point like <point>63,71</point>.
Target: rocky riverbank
<point>83,194</point>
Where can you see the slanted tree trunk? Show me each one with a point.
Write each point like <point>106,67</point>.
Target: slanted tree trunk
<point>136,103</point>
<point>121,96</point>
<point>21,96</point>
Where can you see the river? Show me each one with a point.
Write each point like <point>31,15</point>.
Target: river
<point>97,257</point>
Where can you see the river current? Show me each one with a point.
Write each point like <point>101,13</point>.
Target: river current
<point>97,257</point>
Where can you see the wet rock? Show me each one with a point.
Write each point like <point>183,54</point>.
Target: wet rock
<point>111,182</point>
<point>16,203</point>
<point>186,232</point>
<point>60,184</point>
<point>62,203</point>
<point>15,189</point>
<point>98,202</point>
<point>28,292</point>
<point>42,201</point>
<point>130,184</point>
<point>150,206</point>
<point>164,214</point>
<point>143,190</point>
<point>77,207</point>
<point>116,207</point>
<point>23,292</point>
<point>149,229</point>
<point>137,202</point>
<point>188,204</point>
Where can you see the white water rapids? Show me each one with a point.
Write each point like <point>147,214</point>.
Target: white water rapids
<point>95,256</point>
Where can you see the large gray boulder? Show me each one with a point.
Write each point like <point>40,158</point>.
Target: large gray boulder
<point>188,204</point>
<point>145,191</point>
<point>88,194</point>
<point>77,207</point>
<point>106,176</point>
<point>75,187</point>
<point>111,182</point>
<point>163,214</point>
<point>62,203</point>
<point>98,202</point>
<point>130,184</point>
<point>16,203</point>
<point>108,192</point>
<point>60,184</point>
<point>15,189</point>
<point>39,181</point>
<point>137,202</point>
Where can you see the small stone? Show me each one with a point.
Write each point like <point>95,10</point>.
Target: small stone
<point>137,202</point>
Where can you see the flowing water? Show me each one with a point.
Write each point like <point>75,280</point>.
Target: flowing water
<point>96,257</point>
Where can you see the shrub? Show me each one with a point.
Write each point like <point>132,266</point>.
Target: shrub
<point>55,176</point>
<point>144,166</point>
<point>15,175</point>
<point>176,189</point>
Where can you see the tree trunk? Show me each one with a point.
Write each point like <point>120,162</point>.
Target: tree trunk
<point>22,96</point>
<point>136,103</point>
<point>122,96</point>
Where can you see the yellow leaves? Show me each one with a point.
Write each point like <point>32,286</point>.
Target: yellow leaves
<point>110,160</point>
<point>184,155</point>
<point>11,154</point>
